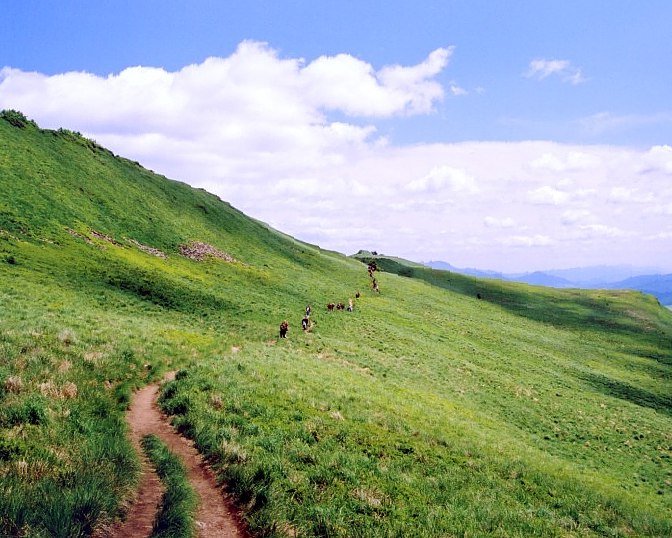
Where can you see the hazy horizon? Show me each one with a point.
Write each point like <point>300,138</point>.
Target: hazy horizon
<point>632,270</point>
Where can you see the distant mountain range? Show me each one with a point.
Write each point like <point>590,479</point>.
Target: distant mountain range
<point>644,279</point>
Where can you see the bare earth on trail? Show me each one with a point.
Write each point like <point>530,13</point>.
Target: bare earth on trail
<point>215,516</point>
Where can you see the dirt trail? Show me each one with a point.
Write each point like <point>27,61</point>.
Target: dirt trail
<point>215,517</point>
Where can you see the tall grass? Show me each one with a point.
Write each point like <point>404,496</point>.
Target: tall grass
<point>341,454</point>
<point>175,518</point>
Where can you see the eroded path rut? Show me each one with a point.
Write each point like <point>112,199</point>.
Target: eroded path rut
<point>216,516</point>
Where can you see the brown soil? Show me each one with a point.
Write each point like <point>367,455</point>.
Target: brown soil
<point>216,516</point>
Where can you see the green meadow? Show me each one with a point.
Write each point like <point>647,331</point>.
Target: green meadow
<point>443,406</point>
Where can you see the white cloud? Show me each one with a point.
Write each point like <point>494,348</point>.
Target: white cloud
<point>541,68</point>
<point>607,122</point>
<point>527,241</point>
<point>665,236</point>
<point>660,158</point>
<point>571,161</point>
<point>352,86</point>
<point>442,178</point>
<point>602,230</point>
<point>624,194</point>
<point>572,216</point>
<point>253,85</point>
<point>456,90</point>
<point>494,222</point>
<point>548,161</point>
<point>663,209</point>
<point>548,195</point>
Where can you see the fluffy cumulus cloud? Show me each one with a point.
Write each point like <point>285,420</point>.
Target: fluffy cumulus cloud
<point>541,68</point>
<point>592,230</point>
<point>494,222</point>
<point>572,160</point>
<point>629,195</point>
<point>444,178</point>
<point>352,86</point>
<point>548,195</point>
<point>660,158</point>
<point>573,216</point>
<point>536,240</point>
<point>297,144</point>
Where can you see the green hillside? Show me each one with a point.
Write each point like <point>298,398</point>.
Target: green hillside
<point>442,406</point>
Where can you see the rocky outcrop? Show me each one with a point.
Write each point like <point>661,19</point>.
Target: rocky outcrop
<point>199,251</point>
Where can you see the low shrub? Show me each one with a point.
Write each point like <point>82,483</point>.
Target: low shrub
<point>16,119</point>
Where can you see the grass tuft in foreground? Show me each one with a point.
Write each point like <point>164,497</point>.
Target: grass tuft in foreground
<point>175,518</point>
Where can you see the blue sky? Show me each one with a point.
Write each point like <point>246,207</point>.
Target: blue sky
<point>622,47</point>
<point>514,135</point>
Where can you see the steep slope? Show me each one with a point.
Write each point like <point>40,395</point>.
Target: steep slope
<point>443,405</point>
<point>53,180</point>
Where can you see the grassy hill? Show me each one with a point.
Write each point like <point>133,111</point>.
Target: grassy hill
<point>442,406</point>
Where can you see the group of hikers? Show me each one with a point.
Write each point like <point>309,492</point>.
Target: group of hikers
<point>374,283</point>
<point>306,323</point>
<point>341,306</point>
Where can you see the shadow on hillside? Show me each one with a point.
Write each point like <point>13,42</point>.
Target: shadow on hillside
<point>663,358</point>
<point>640,397</point>
<point>571,308</point>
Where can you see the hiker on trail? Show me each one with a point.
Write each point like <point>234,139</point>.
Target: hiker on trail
<point>308,311</point>
<point>350,306</point>
<point>305,323</point>
<point>284,327</point>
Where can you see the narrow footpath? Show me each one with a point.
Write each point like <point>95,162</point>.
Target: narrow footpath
<point>216,516</point>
